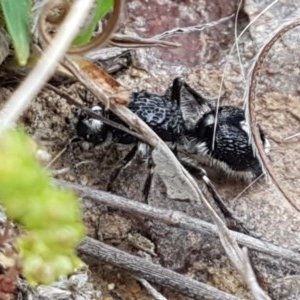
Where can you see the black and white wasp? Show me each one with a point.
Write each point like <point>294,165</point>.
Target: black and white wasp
<point>186,119</point>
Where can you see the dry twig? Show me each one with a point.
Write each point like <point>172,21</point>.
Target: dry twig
<point>176,219</point>
<point>151,290</point>
<point>261,56</point>
<point>189,29</point>
<point>150,271</point>
<point>227,62</point>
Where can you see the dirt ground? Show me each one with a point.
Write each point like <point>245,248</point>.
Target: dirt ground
<point>200,61</point>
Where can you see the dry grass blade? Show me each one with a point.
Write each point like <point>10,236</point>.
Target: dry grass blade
<point>116,104</point>
<point>66,170</point>
<point>252,283</point>
<point>56,157</point>
<point>261,56</point>
<point>292,136</point>
<point>241,2</point>
<point>227,62</point>
<point>175,218</point>
<point>130,41</point>
<point>46,66</point>
<point>189,29</point>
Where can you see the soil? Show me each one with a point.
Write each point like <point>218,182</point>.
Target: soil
<point>200,61</point>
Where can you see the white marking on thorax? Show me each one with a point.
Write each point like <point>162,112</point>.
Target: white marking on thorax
<point>95,124</point>
<point>245,126</point>
<point>209,120</point>
<point>267,145</point>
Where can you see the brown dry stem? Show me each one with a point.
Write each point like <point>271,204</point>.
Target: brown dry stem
<point>264,51</point>
<point>131,41</point>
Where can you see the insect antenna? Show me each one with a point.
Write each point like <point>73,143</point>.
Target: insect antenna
<point>124,161</point>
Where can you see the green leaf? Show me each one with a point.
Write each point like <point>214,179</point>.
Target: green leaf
<point>17,19</point>
<point>103,7</point>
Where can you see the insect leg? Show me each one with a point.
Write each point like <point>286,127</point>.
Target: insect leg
<point>124,161</point>
<point>233,222</point>
<point>176,90</point>
<point>148,182</point>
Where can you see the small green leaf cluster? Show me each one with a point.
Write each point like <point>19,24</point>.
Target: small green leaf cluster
<point>51,217</point>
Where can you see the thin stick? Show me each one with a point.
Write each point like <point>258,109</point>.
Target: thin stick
<point>292,136</point>
<point>150,271</point>
<point>57,156</point>
<point>241,2</point>
<point>227,64</point>
<point>189,29</point>
<point>175,218</point>
<point>151,290</point>
<point>264,51</point>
